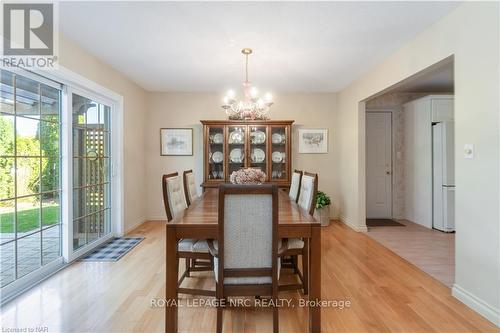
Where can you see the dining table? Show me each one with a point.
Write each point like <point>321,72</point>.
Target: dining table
<point>200,221</point>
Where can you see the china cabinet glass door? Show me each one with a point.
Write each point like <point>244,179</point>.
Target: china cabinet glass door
<point>279,140</point>
<point>236,148</point>
<point>258,142</point>
<point>216,153</point>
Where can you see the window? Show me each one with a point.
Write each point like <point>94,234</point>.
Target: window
<point>30,159</point>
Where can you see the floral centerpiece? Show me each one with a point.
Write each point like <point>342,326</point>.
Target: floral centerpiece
<point>248,176</point>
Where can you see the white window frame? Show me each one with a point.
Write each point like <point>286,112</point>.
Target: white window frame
<point>76,83</point>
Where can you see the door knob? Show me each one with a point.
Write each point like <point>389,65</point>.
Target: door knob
<point>388,173</point>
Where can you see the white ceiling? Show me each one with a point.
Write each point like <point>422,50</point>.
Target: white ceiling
<point>298,46</point>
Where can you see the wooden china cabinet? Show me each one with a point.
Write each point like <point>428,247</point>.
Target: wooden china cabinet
<point>230,145</point>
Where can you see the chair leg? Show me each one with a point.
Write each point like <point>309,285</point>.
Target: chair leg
<point>276,328</point>
<point>305,266</point>
<point>219,319</point>
<point>188,265</point>
<point>295,264</point>
<point>219,297</point>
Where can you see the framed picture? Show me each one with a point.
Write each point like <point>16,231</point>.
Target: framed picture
<point>313,141</point>
<point>176,141</point>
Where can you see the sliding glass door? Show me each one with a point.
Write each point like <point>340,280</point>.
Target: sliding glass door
<point>91,170</point>
<point>55,174</point>
<point>30,159</point>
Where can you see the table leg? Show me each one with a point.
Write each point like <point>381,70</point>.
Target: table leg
<point>171,284</point>
<point>315,279</point>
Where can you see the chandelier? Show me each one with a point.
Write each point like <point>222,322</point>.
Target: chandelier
<point>252,106</point>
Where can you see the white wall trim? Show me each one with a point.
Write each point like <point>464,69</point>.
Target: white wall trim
<point>135,225</point>
<point>68,77</point>
<point>476,304</point>
<point>362,166</point>
<point>351,225</point>
<point>156,218</point>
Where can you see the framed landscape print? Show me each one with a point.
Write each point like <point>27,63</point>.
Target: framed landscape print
<point>313,141</point>
<point>176,141</point>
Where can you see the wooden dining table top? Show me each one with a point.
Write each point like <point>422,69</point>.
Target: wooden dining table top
<point>204,211</point>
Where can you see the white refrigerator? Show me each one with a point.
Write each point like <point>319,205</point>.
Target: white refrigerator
<point>443,180</point>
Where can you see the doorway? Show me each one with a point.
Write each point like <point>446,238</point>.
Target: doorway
<point>409,131</point>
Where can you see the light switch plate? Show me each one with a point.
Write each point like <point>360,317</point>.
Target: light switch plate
<point>469,150</point>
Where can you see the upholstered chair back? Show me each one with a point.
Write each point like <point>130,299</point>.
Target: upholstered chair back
<point>308,190</point>
<point>190,187</point>
<point>173,195</point>
<point>295,185</point>
<point>249,230</point>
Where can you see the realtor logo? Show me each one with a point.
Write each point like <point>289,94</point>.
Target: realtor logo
<point>29,35</point>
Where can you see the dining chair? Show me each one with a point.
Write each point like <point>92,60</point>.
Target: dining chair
<point>246,252</point>
<point>191,195</point>
<point>308,191</point>
<point>189,249</point>
<point>189,187</point>
<point>293,193</point>
<point>298,246</point>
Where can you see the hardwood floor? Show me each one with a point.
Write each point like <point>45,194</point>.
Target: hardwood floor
<point>430,250</point>
<point>386,293</point>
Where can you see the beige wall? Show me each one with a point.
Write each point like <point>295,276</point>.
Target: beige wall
<point>74,58</point>
<point>471,34</point>
<point>187,109</point>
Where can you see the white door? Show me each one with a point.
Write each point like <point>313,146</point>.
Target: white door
<point>378,165</point>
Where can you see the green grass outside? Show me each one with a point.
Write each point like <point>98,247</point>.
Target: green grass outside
<point>28,219</point>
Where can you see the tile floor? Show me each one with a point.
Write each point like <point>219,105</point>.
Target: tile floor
<point>430,250</point>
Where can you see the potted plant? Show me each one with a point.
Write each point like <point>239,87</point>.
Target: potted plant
<point>322,211</point>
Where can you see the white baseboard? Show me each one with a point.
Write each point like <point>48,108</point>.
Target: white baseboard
<point>157,218</point>
<point>351,225</point>
<point>135,225</point>
<point>476,304</point>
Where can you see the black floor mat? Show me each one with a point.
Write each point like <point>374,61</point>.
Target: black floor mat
<point>383,223</point>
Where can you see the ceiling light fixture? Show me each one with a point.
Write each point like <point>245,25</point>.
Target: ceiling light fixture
<point>252,106</point>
